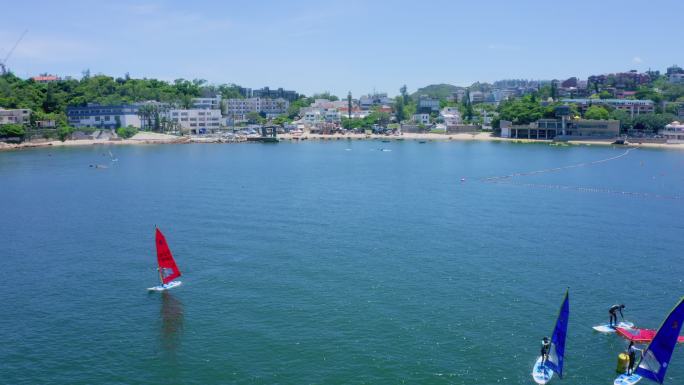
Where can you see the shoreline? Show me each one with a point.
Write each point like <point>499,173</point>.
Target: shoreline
<point>154,138</point>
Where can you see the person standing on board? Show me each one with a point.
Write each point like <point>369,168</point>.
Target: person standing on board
<point>613,314</point>
<point>545,347</point>
<point>631,352</point>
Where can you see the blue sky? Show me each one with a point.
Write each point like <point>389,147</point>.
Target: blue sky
<point>340,46</point>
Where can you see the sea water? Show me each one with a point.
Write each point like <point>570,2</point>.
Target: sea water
<point>331,262</point>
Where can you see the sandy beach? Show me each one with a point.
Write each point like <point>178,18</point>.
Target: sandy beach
<point>150,138</point>
<point>481,136</point>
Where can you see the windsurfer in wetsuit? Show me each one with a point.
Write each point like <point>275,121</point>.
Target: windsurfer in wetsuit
<point>613,314</point>
<point>546,345</point>
<point>631,351</point>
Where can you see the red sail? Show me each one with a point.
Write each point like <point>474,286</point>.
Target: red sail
<point>168,271</point>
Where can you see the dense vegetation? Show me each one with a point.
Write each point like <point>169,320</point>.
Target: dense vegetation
<point>437,91</point>
<point>49,101</point>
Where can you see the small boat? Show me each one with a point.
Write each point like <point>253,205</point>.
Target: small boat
<point>655,359</point>
<point>542,373</point>
<point>166,265</point>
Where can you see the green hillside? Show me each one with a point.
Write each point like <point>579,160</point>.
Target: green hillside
<point>439,91</point>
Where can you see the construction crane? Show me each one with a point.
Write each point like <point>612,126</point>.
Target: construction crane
<point>3,63</point>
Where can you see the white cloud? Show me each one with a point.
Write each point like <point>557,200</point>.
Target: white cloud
<point>637,60</point>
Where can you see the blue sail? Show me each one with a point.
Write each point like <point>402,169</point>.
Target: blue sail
<point>557,349</point>
<point>656,357</point>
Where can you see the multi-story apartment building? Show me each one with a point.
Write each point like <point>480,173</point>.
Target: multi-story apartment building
<point>266,92</point>
<point>238,109</point>
<point>95,115</point>
<point>15,116</point>
<point>427,104</point>
<point>634,107</point>
<point>207,103</point>
<point>376,99</point>
<point>196,120</point>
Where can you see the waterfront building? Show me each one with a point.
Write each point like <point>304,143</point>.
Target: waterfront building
<point>562,129</point>
<point>673,132</point>
<point>421,119</point>
<point>634,107</point>
<point>451,116</point>
<point>239,108</point>
<point>196,120</point>
<point>15,116</point>
<point>98,116</point>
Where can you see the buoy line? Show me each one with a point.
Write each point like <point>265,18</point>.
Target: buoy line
<point>556,169</point>
<point>593,190</point>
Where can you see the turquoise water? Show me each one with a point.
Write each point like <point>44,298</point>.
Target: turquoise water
<point>331,262</point>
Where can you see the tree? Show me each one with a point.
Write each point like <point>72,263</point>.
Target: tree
<point>523,110</point>
<point>404,94</point>
<point>399,109</point>
<point>466,107</point>
<point>605,95</point>
<point>126,132</point>
<point>63,132</point>
<point>253,117</point>
<point>597,113</point>
<point>325,95</point>
<point>12,130</point>
<point>652,122</point>
<point>626,122</point>
<point>349,104</point>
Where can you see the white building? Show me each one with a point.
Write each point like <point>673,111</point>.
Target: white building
<point>97,116</point>
<point>239,108</point>
<point>422,119</point>
<point>673,132</point>
<point>18,116</point>
<point>197,120</point>
<point>451,116</point>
